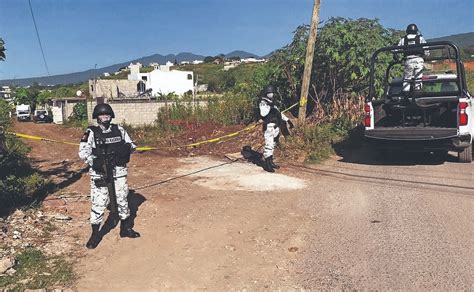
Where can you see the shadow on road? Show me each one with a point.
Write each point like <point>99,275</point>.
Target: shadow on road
<point>252,156</point>
<point>134,202</point>
<point>369,155</point>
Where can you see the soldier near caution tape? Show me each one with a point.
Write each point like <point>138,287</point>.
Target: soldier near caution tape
<point>272,120</point>
<point>107,148</point>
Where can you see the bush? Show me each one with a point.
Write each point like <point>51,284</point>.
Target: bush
<point>79,112</point>
<point>230,108</point>
<point>314,142</point>
<point>19,182</point>
<point>78,119</point>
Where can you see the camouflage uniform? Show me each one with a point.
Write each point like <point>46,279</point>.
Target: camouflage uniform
<point>99,191</point>
<point>414,62</point>
<point>271,127</point>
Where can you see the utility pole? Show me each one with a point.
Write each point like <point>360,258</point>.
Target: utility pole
<point>308,63</point>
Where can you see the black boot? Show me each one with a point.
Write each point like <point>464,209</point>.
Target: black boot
<point>273,163</point>
<point>267,165</point>
<point>126,229</point>
<point>95,237</point>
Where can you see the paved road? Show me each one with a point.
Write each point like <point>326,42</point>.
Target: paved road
<point>386,225</point>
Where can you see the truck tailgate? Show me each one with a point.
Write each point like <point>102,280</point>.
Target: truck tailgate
<point>411,133</point>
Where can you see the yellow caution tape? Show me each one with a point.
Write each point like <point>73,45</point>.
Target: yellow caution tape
<point>213,140</point>
<point>41,138</point>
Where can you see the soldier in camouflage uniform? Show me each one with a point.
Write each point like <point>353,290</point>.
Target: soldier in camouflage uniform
<point>272,121</point>
<point>119,143</point>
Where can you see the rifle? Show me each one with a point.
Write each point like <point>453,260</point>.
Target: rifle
<point>108,166</point>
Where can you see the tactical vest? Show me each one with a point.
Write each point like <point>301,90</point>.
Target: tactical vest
<point>113,141</point>
<point>274,116</point>
<point>412,51</point>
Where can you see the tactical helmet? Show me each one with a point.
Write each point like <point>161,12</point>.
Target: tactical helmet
<point>268,89</point>
<point>412,29</point>
<point>102,109</point>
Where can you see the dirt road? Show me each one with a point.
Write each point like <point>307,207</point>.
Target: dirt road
<point>211,224</point>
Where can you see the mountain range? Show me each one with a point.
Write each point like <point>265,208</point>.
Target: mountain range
<point>78,77</point>
<point>464,41</point>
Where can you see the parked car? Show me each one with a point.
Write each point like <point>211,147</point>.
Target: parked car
<point>42,116</point>
<point>438,118</point>
<point>23,112</point>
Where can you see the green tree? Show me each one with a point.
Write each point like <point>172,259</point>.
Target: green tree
<point>43,96</point>
<point>209,59</point>
<point>23,96</point>
<point>341,60</point>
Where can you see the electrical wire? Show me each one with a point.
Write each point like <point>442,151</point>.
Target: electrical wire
<point>39,39</point>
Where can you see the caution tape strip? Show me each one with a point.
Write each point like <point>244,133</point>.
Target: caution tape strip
<point>41,138</point>
<point>213,140</point>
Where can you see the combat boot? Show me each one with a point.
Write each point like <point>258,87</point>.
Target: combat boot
<point>272,163</point>
<point>126,229</point>
<point>95,237</point>
<point>267,166</point>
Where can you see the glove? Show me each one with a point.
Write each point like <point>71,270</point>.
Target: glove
<point>98,165</point>
<point>124,150</point>
<point>290,124</point>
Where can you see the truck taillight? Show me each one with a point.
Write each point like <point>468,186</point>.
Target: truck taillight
<point>367,117</point>
<point>463,118</point>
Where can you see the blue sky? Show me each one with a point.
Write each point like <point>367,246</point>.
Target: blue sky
<point>77,34</point>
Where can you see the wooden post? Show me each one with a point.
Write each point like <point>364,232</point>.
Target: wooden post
<point>308,63</point>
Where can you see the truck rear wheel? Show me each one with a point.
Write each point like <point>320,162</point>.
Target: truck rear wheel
<point>465,156</point>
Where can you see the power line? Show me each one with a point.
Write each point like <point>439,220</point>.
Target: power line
<point>39,40</point>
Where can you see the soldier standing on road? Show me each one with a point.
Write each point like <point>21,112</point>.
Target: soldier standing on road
<point>119,144</point>
<point>413,58</point>
<point>272,119</point>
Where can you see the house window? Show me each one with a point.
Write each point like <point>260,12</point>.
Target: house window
<point>92,88</point>
<point>190,77</point>
<point>145,78</point>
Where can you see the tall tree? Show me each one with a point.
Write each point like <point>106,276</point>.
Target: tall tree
<point>341,57</point>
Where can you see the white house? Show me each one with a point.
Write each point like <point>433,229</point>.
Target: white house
<point>252,60</point>
<point>195,62</point>
<point>164,80</point>
<point>6,93</point>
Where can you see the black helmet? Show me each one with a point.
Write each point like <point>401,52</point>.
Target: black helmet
<point>412,29</point>
<point>102,109</point>
<point>268,89</point>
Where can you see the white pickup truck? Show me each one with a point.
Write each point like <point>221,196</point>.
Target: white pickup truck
<point>23,112</point>
<point>437,118</point>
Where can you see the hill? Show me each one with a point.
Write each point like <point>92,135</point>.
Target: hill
<point>82,76</point>
<point>465,43</point>
<point>461,40</point>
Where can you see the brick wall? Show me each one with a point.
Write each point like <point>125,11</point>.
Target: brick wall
<point>135,113</point>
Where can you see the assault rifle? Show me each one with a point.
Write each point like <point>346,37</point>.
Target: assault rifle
<point>107,158</point>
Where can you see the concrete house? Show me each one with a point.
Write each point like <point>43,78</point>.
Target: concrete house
<point>6,93</point>
<point>163,80</point>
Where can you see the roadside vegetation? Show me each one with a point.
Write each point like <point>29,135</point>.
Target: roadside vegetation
<point>38,95</point>
<point>35,270</point>
<point>338,85</point>
<point>20,184</point>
